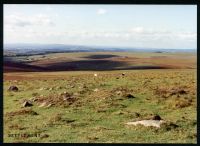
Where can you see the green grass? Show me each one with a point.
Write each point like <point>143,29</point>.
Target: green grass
<point>99,117</point>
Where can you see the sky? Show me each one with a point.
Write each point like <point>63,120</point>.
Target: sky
<point>137,26</point>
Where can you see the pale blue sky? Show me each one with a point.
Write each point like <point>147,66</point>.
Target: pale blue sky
<point>146,26</point>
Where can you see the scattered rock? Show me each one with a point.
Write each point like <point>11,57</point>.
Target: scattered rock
<point>49,105</point>
<point>118,92</point>
<point>93,138</point>
<point>65,95</point>
<point>147,123</point>
<point>123,74</point>
<point>96,90</point>
<point>71,99</point>
<point>63,99</point>
<point>182,103</point>
<point>169,126</point>
<point>167,92</point>
<point>43,104</point>
<point>33,99</point>
<point>129,96</point>
<point>182,91</point>
<point>156,117</point>
<point>44,136</point>
<point>136,114</point>
<point>122,91</point>
<point>27,104</point>
<point>13,88</point>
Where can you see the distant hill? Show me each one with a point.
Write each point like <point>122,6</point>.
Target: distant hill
<point>11,66</point>
<point>35,49</point>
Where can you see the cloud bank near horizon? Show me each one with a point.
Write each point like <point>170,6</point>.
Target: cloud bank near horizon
<point>44,26</point>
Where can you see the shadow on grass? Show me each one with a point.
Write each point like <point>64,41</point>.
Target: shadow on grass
<point>101,56</point>
<point>97,65</point>
<point>99,62</point>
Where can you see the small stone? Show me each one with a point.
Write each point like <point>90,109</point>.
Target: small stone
<point>136,114</point>
<point>43,104</point>
<point>72,86</point>
<point>182,92</point>
<point>13,88</point>
<point>33,99</point>
<point>49,105</point>
<point>156,117</point>
<point>44,136</point>
<point>96,90</point>
<point>27,104</point>
<point>130,96</point>
<point>118,92</point>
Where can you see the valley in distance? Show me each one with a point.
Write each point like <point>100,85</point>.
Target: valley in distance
<point>72,93</point>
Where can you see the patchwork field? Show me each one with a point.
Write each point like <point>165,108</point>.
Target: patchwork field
<point>98,95</point>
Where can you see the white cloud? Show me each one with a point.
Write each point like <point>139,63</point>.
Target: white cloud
<point>137,36</point>
<point>101,11</point>
<point>137,30</point>
<point>19,20</point>
<point>187,36</point>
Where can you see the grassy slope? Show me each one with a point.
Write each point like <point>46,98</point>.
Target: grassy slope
<point>120,60</point>
<point>100,116</point>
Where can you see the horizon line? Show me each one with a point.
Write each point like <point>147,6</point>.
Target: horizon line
<point>122,47</point>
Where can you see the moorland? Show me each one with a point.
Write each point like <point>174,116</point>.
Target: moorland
<point>90,96</point>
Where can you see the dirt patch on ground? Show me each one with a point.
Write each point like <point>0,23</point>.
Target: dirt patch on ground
<point>122,92</point>
<point>167,92</point>
<point>63,99</point>
<point>21,112</point>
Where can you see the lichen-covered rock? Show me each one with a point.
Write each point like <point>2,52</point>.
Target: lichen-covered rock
<point>27,104</point>
<point>147,123</point>
<point>13,88</point>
